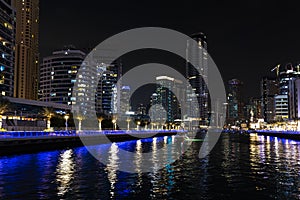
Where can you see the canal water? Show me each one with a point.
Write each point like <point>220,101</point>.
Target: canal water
<point>239,167</point>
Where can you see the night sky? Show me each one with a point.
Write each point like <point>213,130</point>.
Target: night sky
<point>246,39</point>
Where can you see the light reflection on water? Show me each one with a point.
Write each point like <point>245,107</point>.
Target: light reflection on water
<point>65,172</point>
<point>112,167</point>
<point>258,167</point>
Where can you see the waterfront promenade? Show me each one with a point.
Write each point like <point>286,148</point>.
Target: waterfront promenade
<point>20,141</point>
<point>287,134</point>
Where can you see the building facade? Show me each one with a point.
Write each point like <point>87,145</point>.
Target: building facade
<point>58,76</point>
<point>168,95</point>
<point>7,47</point>
<point>269,89</point>
<point>197,76</point>
<point>27,49</point>
<point>107,97</point>
<point>235,106</point>
<point>287,100</point>
<point>125,106</point>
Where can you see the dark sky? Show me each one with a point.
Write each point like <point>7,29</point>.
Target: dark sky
<point>245,39</point>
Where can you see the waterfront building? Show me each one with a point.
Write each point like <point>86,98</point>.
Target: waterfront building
<point>281,107</point>
<point>235,106</point>
<point>107,97</point>
<point>7,48</point>
<point>27,115</point>
<point>269,89</point>
<point>197,75</point>
<point>287,102</point>
<point>141,109</point>
<point>125,100</point>
<point>254,110</point>
<point>294,99</point>
<point>58,75</point>
<point>166,91</point>
<point>26,73</point>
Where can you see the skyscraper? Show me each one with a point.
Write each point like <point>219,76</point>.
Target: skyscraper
<point>294,99</point>
<point>107,99</point>
<point>7,47</point>
<point>286,100</point>
<point>27,52</point>
<point>58,75</point>
<point>166,97</point>
<point>269,89</point>
<point>125,100</point>
<point>235,102</point>
<point>197,75</point>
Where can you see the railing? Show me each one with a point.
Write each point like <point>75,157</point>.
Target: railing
<point>40,134</point>
<point>30,134</point>
<point>278,131</point>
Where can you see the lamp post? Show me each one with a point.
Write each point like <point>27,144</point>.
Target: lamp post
<point>66,118</point>
<point>137,125</point>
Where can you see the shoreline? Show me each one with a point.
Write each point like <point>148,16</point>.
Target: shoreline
<point>31,144</point>
<point>293,135</point>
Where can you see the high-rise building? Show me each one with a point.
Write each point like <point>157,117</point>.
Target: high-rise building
<point>58,75</point>
<point>125,100</point>
<point>107,98</point>
<point>141,109</point>
<point>166,91</point>
<point>7,48</point>
<point>255,108</point>
<point>27,49</point>
<point>290,80</point>
<point>294,99</point>
<point>197,75</point>
<point>235,106</point>
<point>286,100</point>
<point>269,89</point>
<point>281,107</point>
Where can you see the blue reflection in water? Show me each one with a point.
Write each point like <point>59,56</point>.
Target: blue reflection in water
<point>240,166</point>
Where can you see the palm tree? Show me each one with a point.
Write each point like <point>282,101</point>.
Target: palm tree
<point>114,121</point>
<point>100,119</point>
<point>79,117</point>
<point>128,120</point>
<point>3,108</point>
<point>48,113</point>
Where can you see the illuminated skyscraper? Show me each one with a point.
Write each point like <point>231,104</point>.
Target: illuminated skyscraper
<point>7,47</point>
<point>269,90</point>
<point>125,100</point>
<point>27,49</point>
<point>107,98</point>
<point>58,75</point>
<point>166,97</point>
<point>197,75</point>
<point>235,102</point>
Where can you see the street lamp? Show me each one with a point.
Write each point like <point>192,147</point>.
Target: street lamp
<point>137,125</point>
<point>66,118</point>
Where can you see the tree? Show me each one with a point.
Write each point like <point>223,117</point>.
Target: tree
<point>100,119</point>
<point>48,113</point>
<point>79,117</point>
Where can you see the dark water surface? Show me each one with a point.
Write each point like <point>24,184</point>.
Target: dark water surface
<point>239,167</point>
